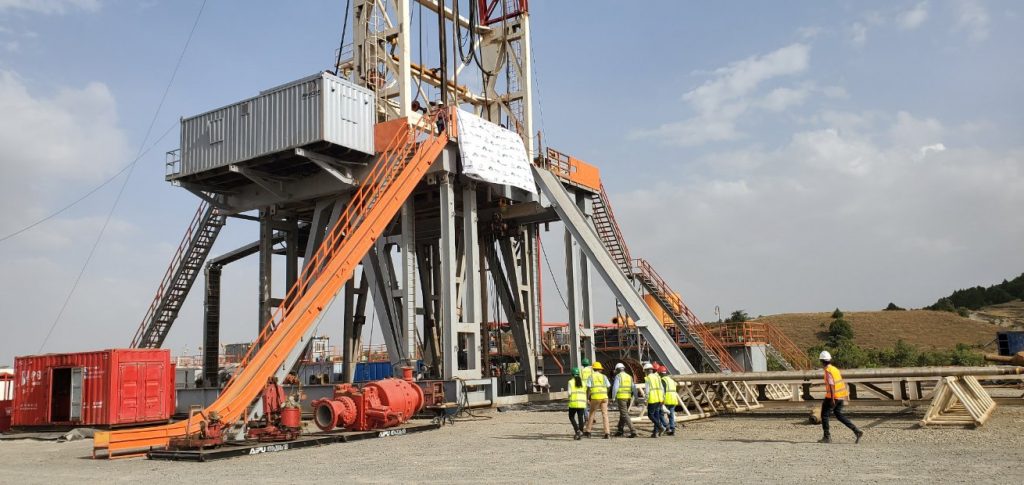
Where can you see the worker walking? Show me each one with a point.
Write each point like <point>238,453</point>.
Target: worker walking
<point>655,398</point>
<point>577,402</point>
<point>836,393</point>
<point>598,387</point>
<point>671,400</point>
<point>624,390</point>
<point>585,374</point>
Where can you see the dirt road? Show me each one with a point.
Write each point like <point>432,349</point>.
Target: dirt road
<point>524,446</point>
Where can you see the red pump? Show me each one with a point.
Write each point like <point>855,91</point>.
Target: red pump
<point>381,404</point>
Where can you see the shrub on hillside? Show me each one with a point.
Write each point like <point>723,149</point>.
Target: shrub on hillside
<point>837,314</point>
<point>838,331</point>
<point>893,308</point>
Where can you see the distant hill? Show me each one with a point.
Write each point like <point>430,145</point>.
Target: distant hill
<point>978,297</point>
<point>1009,316</point>
<point>924,329</point>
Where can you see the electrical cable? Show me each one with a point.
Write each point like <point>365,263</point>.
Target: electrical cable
<point>127,178</point>
<point>91,191</point>
<point>552,273</point>
<point>341,43</point>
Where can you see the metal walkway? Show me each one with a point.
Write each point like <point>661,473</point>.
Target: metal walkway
<point>655,335</point>
<point>398,170</point>
<point>181,274</point>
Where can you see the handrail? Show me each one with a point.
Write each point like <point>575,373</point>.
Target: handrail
<point>616,231</point>
<point>391,181</point>
<point>179,256</point>
<point>644,269</point>
<point>796,357</point>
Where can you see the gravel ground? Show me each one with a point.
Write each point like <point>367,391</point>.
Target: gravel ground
<point>772,445</point>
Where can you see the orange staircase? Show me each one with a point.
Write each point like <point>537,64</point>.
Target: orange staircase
<point>707,344</point>
<point>399,168</point>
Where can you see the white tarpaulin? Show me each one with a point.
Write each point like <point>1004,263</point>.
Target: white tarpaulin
<point>493,154</point>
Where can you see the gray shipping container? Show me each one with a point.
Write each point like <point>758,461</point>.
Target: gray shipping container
<point>315,109</point>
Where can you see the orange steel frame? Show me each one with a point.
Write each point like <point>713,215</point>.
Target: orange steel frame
<point>374,205</point>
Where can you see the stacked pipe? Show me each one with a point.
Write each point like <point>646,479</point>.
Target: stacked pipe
<point>380,404</point>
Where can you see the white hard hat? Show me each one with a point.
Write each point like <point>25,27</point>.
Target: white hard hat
<point>620,365</point>
<point>825,355</point>
<point>648,366</point>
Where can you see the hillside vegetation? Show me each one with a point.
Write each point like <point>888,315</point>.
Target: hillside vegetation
<point>924,329</point>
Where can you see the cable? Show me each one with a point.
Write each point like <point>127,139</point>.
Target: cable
<point>91,191</point>
<point>341,43</point>
<point>131,168</point>
<point>553,280</point>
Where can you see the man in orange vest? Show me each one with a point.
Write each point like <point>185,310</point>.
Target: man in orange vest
<point>836,393</point>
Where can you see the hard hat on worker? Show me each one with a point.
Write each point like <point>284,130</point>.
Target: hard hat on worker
<point>825,355</point>
<point>662,369</point>
<point>598,366</point>
<point>648,366</point>
<point>575,371</point>
<point>586,362</point>
<point>620,366</point>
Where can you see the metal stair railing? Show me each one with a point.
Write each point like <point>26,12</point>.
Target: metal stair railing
<point>609,232</point>
<point>788,351</point>
<point>376,202</point>
<point>185,266</point>
<point>698,334</point>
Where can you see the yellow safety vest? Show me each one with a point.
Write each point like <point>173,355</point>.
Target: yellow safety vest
<point>838,390</point>
<point>599,390</point>
<point>585,373</point>
<point>655,393</point>
<point>671,396</point>
<point>625,391</point>
<point>577,395</point>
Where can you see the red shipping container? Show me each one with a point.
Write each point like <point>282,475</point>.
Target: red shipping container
<point>106,388</point>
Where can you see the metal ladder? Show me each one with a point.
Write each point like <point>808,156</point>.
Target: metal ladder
<point>775,354</point>
<point>609,232</point>
<point>180,275</point>
<point>708,346</point>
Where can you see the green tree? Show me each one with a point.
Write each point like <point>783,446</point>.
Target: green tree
<point>738,316</point>
<point>892,307</point>
<point>838,331</point>
<point>838,314</point>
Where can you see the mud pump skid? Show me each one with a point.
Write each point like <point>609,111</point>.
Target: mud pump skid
<point>380,404</point>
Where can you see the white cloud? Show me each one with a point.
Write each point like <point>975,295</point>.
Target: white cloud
<point>972,17</point>
<point>852,216</point>
<point>49,6</point>
<point>914,17</point>
<point>858,34</point>
<point>742,77</point>
<point>721,101</point>
<point>49,143</point>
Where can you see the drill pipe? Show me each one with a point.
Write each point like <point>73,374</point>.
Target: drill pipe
<point>882,373</point>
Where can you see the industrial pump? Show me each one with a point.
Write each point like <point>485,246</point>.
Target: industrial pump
<point>380,404</point>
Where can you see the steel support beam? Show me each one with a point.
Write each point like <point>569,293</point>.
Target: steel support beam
<point>581,231</point>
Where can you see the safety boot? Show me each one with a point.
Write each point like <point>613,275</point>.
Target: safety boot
<point>619,433</point>
<point>586,434</point>
<point>607,436</point>
<point>826,439</point>
<point>858,433</point>
<point>632,435</point>
<point>577,436</point>
<point>654,434</point>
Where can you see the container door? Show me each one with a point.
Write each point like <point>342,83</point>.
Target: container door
<point>128,408</point>
<point>76,393</point>
<point>153,398</point>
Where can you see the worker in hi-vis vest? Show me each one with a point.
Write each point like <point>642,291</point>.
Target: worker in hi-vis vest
<point>598,386</point>
<point>655,398</point>
<point>836,393</point>
<point>671,400</point>
<point>623,389</point>
<point>585,372</point>
<point>577,402</point>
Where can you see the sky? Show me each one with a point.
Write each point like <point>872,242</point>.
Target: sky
<point>771,157</point>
